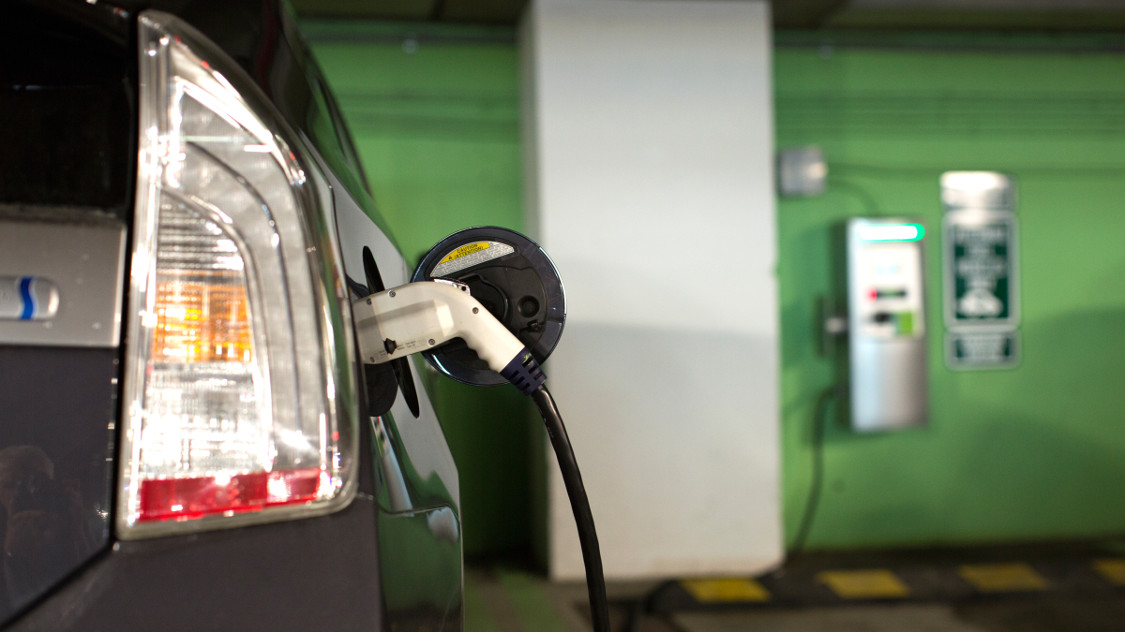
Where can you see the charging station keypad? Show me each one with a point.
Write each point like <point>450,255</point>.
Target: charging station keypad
<point>887,292</point>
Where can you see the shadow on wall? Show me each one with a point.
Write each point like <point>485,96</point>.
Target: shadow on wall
<point>1018,471</point>
<point>681,467</point>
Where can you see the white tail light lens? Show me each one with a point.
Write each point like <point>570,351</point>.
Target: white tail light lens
<point>239,378</point>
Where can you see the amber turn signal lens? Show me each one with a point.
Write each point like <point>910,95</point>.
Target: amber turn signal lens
<point>202,320</point>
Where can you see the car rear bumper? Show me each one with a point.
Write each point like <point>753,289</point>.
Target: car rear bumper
<point>309,574</point>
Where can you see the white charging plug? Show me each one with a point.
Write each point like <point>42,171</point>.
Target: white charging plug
<point>423,315</point>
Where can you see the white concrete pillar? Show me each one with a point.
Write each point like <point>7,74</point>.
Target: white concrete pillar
<point>649,175</point>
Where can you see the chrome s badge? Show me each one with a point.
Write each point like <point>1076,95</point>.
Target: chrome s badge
<point>28,298</point>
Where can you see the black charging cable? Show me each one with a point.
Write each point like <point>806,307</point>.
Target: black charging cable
<point>579,504</point>
<point>819,426</point>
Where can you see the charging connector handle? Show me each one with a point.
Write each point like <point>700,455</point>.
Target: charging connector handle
<point>422,315</point>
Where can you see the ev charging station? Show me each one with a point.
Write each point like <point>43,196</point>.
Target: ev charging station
<point>881,276</point>
<point>887,378</point>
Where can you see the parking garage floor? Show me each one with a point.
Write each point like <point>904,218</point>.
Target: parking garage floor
<point>1032,588</point>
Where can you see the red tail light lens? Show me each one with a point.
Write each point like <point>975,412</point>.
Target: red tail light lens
<point>188,498</point>
<point>239,375</point>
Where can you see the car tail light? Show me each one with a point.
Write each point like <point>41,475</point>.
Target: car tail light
<point>239,404</point>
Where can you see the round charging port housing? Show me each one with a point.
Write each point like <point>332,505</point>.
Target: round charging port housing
<point>515,281</point>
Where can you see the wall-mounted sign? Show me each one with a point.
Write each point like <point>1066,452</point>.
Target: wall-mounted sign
<point>982,350</point>
<point>981,273</point>
<point>980,257</point>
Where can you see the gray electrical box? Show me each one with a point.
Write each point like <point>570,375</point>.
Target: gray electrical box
<point>886,324</point>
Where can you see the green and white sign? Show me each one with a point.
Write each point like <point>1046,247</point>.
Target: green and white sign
<point>983,350</point>
<point>981,273</point>
<point>980,261</point>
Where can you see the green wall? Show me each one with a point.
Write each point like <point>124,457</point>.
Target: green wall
<point>1034,452</point>
<point>434,113</point>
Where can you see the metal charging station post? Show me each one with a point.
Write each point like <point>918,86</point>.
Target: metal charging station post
<point>886,324</point>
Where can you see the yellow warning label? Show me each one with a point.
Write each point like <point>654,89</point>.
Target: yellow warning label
<point>991,578</point>
<point>865,584</point>
<point>1112,569</point>
<point>725,590</point>
<point>465,251</point>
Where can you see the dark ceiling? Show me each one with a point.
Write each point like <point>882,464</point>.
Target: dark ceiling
<point>463,11</point>
<point>1033,15</point>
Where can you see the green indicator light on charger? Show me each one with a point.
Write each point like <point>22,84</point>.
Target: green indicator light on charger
<point>892,232</point>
